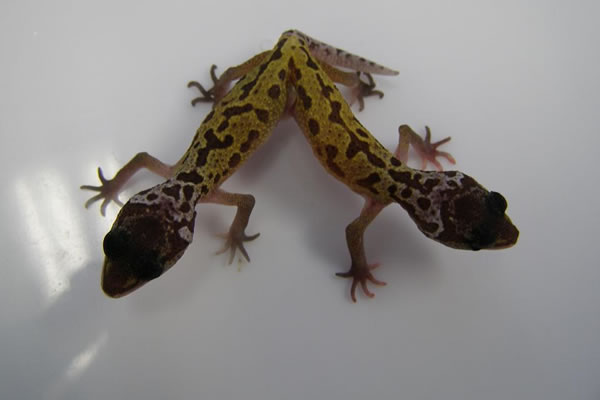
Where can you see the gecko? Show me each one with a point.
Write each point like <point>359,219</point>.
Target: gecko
<point>297,77</point>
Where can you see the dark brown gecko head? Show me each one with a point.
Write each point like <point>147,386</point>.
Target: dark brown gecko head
<point>472,218</point>
<point>147,238</point>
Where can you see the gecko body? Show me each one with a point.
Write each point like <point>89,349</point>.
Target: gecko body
<point>297,76</point>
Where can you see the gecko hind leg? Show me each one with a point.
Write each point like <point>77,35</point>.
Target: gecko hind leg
<point>365,89</point>
<point>221,85</point>
<point>360,270</point>
<point>110,188</point>
<point>236,236</point>
<point>208,95</point>
<point>359,89</point>
<point>426,150</point>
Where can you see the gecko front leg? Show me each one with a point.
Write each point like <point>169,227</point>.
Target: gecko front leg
<point>360,270</point>
<point>236,236</point>
<point>110,188</point>
<point>426,150</point>
<point>208,95</point>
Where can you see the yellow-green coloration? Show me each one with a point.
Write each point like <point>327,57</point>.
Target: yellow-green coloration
<point>155,226</point>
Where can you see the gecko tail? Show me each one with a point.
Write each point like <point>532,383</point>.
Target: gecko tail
<point>341,58</point>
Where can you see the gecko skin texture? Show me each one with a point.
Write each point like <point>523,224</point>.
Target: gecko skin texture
<point>296,77</point>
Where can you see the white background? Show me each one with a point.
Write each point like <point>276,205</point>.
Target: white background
<point>516,84</point>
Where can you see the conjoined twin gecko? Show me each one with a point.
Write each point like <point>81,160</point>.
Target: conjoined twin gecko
<point>296,77</point>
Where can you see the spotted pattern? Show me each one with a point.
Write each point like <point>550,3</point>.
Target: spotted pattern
<point>353,155</point>
<point>332,152</point>
<point>274,92</point>
<point>313,126</point>
<point>161,219</point>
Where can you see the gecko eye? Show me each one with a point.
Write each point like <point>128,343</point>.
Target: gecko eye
<point>116,243</point>
<point>496,204</point>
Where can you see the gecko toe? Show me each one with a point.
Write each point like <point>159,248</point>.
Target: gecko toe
<point>234,242</point>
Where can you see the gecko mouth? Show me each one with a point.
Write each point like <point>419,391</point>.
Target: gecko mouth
<point>127,265</point>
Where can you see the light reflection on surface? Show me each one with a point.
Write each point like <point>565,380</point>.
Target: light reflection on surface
<point>58,246</point>
<point>84,359</point>
<point>79,364</point>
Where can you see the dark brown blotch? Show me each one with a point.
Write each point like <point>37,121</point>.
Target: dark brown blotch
<point>296,75</point>
<point>274,91</point>
<point>252,136</point>
<point>234,160</point>
<point>412,181</point>
<point>309,61</point>
<point>331,152</point>
<point>326,90</point>
<point>313,126</point>
<point>424,203</point>
<point>188,192</point>
<point>362,133</point>
<point>304,97</point>
<point>172,191</point>
<point>335,116</point>
<point>209,116</point>
<point>191,177</point>
<point>395,162</point>
<point>430,184</point>
<point>222,126</point>
<point>429,227</point>
<point>237,110</point>
<point>357,146</point>
<point>185,208</point>
<point>369,181</point>
<point>212,143</point>
<point>262,115</point>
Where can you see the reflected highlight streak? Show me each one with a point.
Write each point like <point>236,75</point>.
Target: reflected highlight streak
<point>79,364</point>
<point>56,240</point>
<point>83,360</point>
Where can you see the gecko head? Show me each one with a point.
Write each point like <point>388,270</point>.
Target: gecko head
<point>472,217</point>
<point>144,241</point>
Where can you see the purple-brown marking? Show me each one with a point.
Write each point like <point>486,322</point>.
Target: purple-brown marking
<point>234,160</point>
<point>331,152</point>
<point>252,136</point>
<point>313,126</point>
<point>369,181</point>
<point>274,92</point>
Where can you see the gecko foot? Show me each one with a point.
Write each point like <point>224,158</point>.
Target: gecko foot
<point>365,89</point>
<point>427,151</point>
<point>109,191</point>
<point>208,95</point>
<point>234,240</point>
<point>360,275</point>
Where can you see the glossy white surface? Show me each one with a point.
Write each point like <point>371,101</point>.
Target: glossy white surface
<point>515,84</point>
